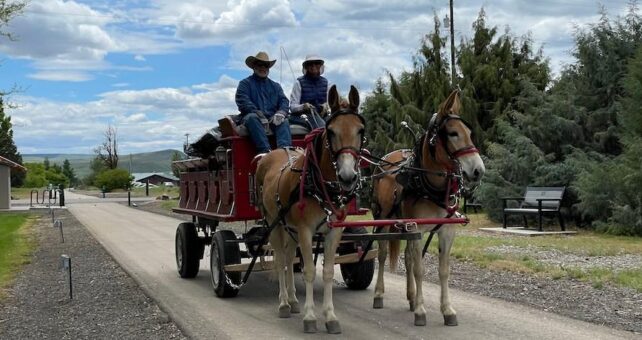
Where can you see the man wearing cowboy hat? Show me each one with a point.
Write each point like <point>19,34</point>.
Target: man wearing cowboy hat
<point>261,101</point>
<point>309,93</point>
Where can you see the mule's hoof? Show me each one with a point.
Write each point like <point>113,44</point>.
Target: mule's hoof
<point>450,320</point>
<point>333,327</point>
<point>284,311</point>
<point>377,303</point>
<point>309,326</point>
<point>420,319</point>
<point>294,308</point>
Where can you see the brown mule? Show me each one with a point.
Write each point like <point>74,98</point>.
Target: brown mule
<point>426,186</point>
<point>329,170</point>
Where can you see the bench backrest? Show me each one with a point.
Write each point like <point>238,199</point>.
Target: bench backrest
<point>534,193</point>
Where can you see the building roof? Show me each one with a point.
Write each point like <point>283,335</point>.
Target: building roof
<point>141,176</point>
<point>12,164</point>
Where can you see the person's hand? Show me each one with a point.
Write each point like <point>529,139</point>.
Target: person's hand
<point>278,118</point>
<point>307,107</point>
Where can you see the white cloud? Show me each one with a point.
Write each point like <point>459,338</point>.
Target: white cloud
<point>242,17</point>
<point>135,118</point>
<point>143,118</point>
<point>139,57</point>
<point>60,30</point>
<point>73,76</point>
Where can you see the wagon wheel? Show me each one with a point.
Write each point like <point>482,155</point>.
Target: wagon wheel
<point>355,276</point>
<point>189,250</point>
<point>225,284</point>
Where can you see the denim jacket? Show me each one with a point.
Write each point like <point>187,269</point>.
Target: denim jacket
<point>260,94</point>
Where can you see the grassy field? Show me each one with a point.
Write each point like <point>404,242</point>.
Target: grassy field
<point>16,244</point>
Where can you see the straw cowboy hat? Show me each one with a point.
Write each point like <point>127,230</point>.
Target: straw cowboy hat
<point>260,57</point>
<point>312,58</point>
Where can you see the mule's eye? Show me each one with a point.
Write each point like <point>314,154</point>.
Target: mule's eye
<point>362,131</point>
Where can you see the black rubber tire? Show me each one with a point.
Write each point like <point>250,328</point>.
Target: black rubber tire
<point>221,254</point>
<point>355,276</point>
<point>188,249</point>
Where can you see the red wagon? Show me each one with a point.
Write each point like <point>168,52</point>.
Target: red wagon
<point>218,186</point>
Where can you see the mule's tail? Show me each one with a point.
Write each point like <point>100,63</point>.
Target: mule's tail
<point>393,252</point>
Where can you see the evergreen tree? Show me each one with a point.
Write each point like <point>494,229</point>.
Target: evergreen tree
<point>596,79</point>
<point>611,190</point>
<point>46,163</point>
<point>411,97</point>
<point>69,172</point>
<point>492,69</point>
<point>8,148</point>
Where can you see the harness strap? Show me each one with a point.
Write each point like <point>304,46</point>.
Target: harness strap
<point>432,233</point>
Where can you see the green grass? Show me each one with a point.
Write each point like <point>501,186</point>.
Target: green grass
<point>169,205</point>
<point>24,193</point>
<point>16,244</point>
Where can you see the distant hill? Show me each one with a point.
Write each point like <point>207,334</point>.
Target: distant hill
<point>156,161</point>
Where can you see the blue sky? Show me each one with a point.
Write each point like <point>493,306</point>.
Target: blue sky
<point>160,69</point>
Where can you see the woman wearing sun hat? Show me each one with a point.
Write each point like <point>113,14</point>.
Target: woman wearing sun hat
<point>259,97</point>
<point>309,93</point>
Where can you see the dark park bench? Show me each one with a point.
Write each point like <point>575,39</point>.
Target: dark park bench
<point>538,201</point>
<point>472,204</point>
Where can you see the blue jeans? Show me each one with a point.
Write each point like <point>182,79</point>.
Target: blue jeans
<point>257,133</point>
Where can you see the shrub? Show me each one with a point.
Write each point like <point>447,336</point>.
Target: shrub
<point>113,179</point>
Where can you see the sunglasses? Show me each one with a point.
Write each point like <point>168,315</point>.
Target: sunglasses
<point>261,64</point>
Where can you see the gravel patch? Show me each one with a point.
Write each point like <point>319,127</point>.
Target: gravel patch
<point>106,304</point>
<point>557,258</point>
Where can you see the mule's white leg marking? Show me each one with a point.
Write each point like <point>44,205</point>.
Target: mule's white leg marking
<point>446,238</point>
<point>309,272</point>
<point>276,241</point>
<point>331,242</point>
<point>418,273</point>
<point>383,253</point>
<point>410,278</point>
<point>289,274</point>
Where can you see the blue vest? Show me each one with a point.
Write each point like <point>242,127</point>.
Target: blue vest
<point>314,91</point>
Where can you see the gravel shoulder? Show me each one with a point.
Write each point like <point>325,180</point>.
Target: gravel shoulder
<point>612,306</point>
<point>106,304</point>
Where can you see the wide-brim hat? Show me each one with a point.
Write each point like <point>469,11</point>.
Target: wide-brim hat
<point>260,57</point>
<point>312,58</point>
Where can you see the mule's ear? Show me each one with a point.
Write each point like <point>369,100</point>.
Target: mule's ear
<point>333,99</point>
<point>456,105</point>
<point>353,98</point>
<point>446,107</point>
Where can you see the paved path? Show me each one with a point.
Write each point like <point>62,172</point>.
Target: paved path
<point>143,244</point>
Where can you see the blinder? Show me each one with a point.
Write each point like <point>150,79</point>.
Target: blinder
<point>436,130</point>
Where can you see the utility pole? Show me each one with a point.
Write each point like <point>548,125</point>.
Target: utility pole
<point>452,44</point>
